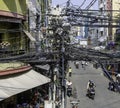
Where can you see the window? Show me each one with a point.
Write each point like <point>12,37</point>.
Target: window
<point>101,33</point>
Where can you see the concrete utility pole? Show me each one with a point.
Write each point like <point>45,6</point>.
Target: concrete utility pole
<point>37,44</point>
<point>63,73</point>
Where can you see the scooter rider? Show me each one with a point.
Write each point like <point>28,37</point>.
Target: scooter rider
<point>69,84</point>
<point>69,88</point>
<point>90,89</point>
<point>90,85</point>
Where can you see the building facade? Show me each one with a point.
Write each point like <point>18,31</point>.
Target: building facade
<point>103,35</point>
<point>109,9</point>
<point>12,16</point>
<point>115,15</point>
<point>16,18</point>
<point>20,15</point>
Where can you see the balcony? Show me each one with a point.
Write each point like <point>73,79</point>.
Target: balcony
<point>13,68</point>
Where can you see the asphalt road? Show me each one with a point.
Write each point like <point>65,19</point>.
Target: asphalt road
<point>103,98</point>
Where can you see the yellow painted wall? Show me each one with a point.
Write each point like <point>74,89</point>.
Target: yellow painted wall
<point>17,6</point>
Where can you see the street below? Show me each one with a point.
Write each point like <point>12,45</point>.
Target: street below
<point>103,97</point>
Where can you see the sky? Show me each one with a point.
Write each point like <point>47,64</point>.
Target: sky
<point>75,2</point>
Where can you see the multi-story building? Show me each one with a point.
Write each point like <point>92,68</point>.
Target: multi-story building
<point>109,9</point>
<point>103,31</point>
<point>16,18</point>
<point>15,22</point>
<point>115,15</point>
<point>109,14</point>
<point>12,16</point>
<point>93,31</point>
<point>93,34</point>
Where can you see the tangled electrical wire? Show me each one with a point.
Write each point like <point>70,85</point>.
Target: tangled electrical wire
<point>85,17</point>
<point>74,16</point>
<point>61,34</point>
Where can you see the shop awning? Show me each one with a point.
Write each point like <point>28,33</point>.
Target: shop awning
<point>29,35</point>
<point>13,85</point>
<point>44,67</point>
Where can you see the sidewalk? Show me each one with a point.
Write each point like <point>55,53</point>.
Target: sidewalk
<point>72,100</point>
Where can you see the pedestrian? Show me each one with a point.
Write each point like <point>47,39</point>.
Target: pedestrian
<point>109,67</point>
<point>83,64</point>
<point>70,71</point>
<point>37,104</point>
<point>77,64</point>
<point>37,95</point>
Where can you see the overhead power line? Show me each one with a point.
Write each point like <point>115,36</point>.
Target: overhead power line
<point>91,4</point>
<point>82,4</point>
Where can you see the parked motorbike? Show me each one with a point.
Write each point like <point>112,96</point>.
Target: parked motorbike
<point>114,88</point>
<point>111,86</point>
<point>91,93</point>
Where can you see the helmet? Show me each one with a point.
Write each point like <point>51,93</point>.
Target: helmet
<point>91,81</point>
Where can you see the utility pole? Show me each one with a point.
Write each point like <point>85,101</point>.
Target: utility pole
<point>63,65</point>
<point>37,44</point>
<point>63,74</point>
<point>60,33</point>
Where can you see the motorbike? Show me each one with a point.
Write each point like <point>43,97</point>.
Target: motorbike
<point>70,74</point>
<point>91,93</point>
<point>74,103</point>
<point>69,91</point>
<point>114,88</point>
<point>111,86</point>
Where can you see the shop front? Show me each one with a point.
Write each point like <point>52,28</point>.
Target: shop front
<point>19,88</point>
